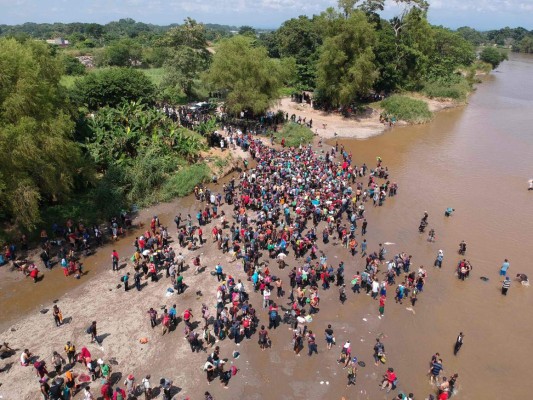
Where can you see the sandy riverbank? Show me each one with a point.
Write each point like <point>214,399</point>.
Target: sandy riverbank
<point>122,318</point>
<point>362,126</point>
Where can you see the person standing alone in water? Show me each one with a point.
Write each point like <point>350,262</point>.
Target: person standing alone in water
<point>458,343</point>
<point>505,267</point>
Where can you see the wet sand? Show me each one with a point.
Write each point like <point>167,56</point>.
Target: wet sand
<point>476,159</point>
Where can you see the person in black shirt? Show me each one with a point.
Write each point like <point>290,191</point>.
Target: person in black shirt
<point>458,343</point>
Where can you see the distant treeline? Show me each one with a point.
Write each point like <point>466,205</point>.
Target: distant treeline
<point>518,39</point>
<point>96,35</point>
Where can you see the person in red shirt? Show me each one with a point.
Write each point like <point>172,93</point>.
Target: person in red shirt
<point>200,238</point>
<point>388,381</point>
<point>34,273</point>
<point>382,300</point>
<point>107,391</point>
<point>187,315</point>
<point>120,394</point>
<point>443,396</point>
<point>114,260</point>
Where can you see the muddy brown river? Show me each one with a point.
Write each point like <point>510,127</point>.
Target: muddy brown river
<point>476,159</point>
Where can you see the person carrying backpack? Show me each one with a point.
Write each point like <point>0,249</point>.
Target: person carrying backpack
<point>273,316</point>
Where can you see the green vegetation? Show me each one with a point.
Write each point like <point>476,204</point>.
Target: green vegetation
<point>111,87</point>
<point>345,68</point>
<point>252,80</point>
<point>187,59</point>
<point>294,135</point>
<point>183,182</point>
<point>492,56</point>
<point>155,75</point>
<point>456,89</point>
<point>406,109</point>
<point>85,143</point>
<point>40,162</point>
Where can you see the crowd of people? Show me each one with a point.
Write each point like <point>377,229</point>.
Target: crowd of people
<point>291,201</point>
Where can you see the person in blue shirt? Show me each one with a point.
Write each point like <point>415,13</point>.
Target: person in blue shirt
<point>172,313</point>
<point>448,212</point>
<point>505,267</point>
<point>218,270</point>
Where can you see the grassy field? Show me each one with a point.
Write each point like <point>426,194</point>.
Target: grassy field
<point>154,74</point>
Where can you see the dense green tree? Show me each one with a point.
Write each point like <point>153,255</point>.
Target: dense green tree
<point>473,36</point>
<point>121,53</point>
<point>451,50</point>
<point>247,31</point>
<point>73,66</point>
<point>300,38</point>
<point>346,66</point>
<point>251,79</point>
<point>39,159</point>
<point>190,34</point>
<point>525,45</point>
<point>119,134</point>
<point>492,56</point>
<point>183,70</point>
<point>190,57</point>
<point>111,87</point>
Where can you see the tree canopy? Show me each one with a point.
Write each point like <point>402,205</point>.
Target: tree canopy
<point>251,79</point>
<point>39,159</point>
<point>111,87</point>
<point>345,68</point>
<point>492,56</point>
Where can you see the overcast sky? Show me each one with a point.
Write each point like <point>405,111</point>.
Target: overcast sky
<point>480,14</point>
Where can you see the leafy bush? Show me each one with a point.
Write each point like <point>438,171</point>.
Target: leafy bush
<point>73,66</point>
<point>183,182</point>
<point>406,109</point>
<point>455,87</point>
<point>111,87</point>
<point>295,134</point>
<point>492,56</point>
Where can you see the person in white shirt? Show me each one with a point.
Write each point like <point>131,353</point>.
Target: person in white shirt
<point>145,384</point>
<point>266,297</point>
<point>87,395</point>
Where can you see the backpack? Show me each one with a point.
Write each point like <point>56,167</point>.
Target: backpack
<point>273,314</point>
<point>119,396</point>
<point>234,370</point>
<point>89,329</point>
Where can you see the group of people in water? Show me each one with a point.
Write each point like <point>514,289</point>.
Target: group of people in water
<point>293,202</point>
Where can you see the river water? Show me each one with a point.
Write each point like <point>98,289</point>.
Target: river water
<point>476,159</point>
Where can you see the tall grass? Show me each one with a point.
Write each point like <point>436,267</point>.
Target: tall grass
<point>294,134</point>
<point>406,109</point>
<point>450,90</point>
<point>183,182</point>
